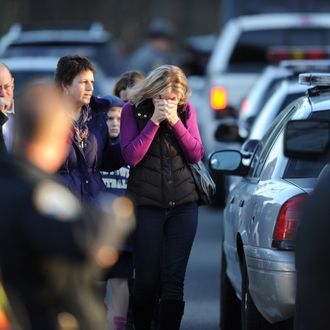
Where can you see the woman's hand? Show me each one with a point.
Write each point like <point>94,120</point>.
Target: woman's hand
<point>160,111</point>
<point>4,104</point>
<point>165,110</point>
<point>172,112</point>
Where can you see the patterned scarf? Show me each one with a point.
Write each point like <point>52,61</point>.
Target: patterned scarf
<point>81,128</point>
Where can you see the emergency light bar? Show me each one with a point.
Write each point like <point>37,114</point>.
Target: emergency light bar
<point>315,79</point>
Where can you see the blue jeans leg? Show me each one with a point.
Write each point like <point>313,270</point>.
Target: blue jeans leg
<point>161,247</point>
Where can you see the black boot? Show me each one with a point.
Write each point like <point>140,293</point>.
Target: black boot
<point>170,314</point>
<point>142,314</point>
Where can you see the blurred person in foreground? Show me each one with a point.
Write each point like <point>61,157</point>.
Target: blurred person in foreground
<point>90,149</point>
<point>159,136</point>
<point>157,49</point>
<point>313,259</point>
<point>6,107</point>
<point>48,243</point>
<point>125,82</point>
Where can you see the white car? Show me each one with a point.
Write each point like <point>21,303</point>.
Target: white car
<point>264,86</point>
<point>27,68</point>
<point>261,217</point>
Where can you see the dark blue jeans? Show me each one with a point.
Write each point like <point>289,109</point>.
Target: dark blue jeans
<point>161,247</point>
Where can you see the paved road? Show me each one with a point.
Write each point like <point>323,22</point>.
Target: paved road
<point>202,279</point>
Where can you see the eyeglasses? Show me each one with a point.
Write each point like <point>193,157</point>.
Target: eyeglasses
<point>8,86</point>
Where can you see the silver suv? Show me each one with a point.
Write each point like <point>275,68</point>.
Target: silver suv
<point>261,217</point>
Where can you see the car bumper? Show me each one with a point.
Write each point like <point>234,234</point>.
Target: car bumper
<point>272,282</point>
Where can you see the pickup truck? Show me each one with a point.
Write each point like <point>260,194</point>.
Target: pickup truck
<point>248,43</point>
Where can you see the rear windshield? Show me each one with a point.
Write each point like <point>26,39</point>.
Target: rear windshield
<point>256,49</point>
<point>304,168</point>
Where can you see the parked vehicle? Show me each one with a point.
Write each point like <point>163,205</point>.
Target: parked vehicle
<point>285,92</point>
<point>261,217</point>
<point>60,40</point>
<point>266,83</point>
<point>25,69</point>
<point>247,44</point>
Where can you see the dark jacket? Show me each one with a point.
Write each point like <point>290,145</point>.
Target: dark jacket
<point>3,119</point>
<point>313,260</point>
<point>162,178</point>
<point>44,237</point>
<point>81,170</point>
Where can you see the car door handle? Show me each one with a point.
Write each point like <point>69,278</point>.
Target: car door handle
<point>232,200</point>
<point>241,203</point>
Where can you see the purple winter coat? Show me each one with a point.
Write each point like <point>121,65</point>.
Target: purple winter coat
<point>80,171</point>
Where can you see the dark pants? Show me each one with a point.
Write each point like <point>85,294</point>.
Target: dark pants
<point>161,247</point>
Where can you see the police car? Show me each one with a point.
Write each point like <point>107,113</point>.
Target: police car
<point>261,217</point>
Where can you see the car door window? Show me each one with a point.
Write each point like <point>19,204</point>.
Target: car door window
<point>297,168</point>
<point>269,138</point>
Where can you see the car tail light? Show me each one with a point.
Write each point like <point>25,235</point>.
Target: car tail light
<point>316,54</point>
<point>279,54</point>
<point>287,223</point>
<point>218,98</point>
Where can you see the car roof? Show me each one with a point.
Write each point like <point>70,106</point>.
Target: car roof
<point>95,33</point>
<point>17,36</point>
<point>320,102</point>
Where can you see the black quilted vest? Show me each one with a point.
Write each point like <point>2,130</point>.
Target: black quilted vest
<point>162,178</point>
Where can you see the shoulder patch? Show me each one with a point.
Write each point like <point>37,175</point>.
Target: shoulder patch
<point>53,199</point>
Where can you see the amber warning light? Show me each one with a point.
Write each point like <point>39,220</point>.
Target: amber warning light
<point>218,98</point>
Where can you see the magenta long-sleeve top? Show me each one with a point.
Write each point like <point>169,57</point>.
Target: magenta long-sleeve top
<point>135,144</point>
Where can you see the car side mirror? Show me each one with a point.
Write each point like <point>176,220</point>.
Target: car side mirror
<point>227,162</point>
<point>307,139</point>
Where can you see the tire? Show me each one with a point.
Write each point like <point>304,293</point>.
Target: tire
<point>230,316</point>
<point>250,316</point>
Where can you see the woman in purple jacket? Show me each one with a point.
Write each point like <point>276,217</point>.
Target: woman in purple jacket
<point>159,136</point>
<point>90,150</point>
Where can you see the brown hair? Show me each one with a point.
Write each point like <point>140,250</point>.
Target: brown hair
<point>127,80</point>
<point>68,67</point>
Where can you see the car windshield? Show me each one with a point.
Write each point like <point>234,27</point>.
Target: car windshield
<point>263,47</point>
<point>304,168</point>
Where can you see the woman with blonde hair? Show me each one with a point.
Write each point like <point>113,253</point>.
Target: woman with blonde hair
<point>159,138</point>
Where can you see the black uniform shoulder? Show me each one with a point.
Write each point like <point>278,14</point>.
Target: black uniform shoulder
<point>26,184</point>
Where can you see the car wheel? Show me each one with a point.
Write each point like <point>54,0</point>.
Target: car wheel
<point>230,317</point>
<point>250,316</point>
